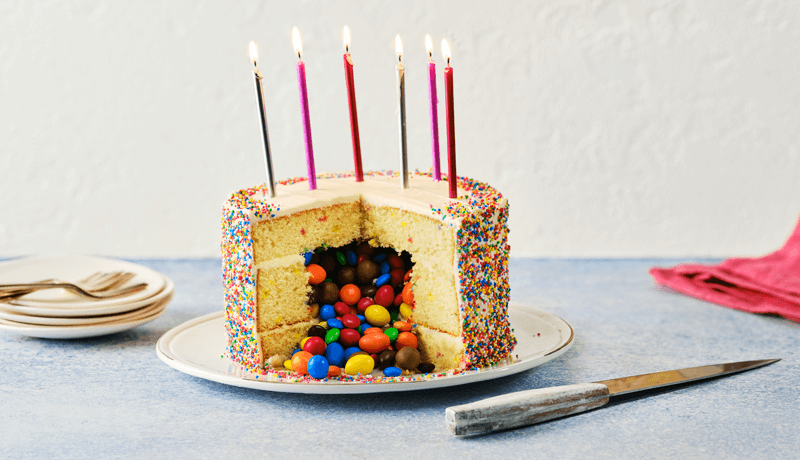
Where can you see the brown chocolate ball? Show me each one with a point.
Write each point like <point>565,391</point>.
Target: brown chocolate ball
<point>407,358</point>
<point>367,271</point>
<point>327,262</point>
<point>346,275</point>
<point>426,367</point>
<point>386,359</point>
<point>314,295</point>
<point>317,331</point>
<point>369,290</point>
<point>330,293</point>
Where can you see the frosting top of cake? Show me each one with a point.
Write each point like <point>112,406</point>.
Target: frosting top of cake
<point>423,195</point>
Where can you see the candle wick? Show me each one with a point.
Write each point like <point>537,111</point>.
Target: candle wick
<point>346,48</point>
<point>430,54</point>
<point>299,58</point>
<point>448,62</point>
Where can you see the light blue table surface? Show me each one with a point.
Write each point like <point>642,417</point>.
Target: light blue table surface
<point>111,397</point>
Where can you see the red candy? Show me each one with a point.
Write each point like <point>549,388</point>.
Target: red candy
<point>314,345</point>
<point>364,303</point>
<point>384,296</point>
<point>406,339</point>
<point>362,258</point>
<point>397,276</point>
<point>350,294</point>
<point>408,294</point>
<point>349,338</point>
<point>317,274</point>
<point>374,343</point>
<point>396,262</point>
<point>351,321</point>
<point>398,299</point>
<point>341,308</point>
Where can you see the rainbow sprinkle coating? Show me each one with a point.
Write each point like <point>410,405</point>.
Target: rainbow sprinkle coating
<point>483,253</point>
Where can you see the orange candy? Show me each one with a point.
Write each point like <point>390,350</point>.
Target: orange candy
<point>334,371</point>
<point>373,330</point>
<point>405,339</point>
<point>407,276</point>
<point>402,326</point>
<point>300,362</point>
<point>373,343</point>
<point>350,294</point>
<point>317,273</point>
<point>408,294</point>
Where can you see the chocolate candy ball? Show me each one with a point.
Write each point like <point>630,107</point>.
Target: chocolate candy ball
<point>330,293</point>
<point>369,290</point>
<point>328,262</point>
<point>407,358</point>
<point>316,331</point>
<point>314,295</point>
<point>364,248</point>
<point>386,359</point>
<point>346,275</point>
<point>367,271</point>
<point>426,367</point>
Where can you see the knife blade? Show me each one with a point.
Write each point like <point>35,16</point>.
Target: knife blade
<point>529,407</point>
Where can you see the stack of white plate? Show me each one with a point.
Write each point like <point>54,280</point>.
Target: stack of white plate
<point>61,314</point>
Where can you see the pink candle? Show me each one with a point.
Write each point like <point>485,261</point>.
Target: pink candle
<point>451,123</point>
<point>437,173</point>
<point>301,81</point>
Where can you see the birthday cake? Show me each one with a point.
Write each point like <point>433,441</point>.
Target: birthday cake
<point>323,271</point>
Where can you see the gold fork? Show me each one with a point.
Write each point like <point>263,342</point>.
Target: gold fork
<point>97,286</point>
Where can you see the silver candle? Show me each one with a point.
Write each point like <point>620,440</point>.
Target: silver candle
<point>401,108</point>
<point>262,112</point>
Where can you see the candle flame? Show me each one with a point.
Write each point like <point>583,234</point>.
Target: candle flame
<point>298,44</point>
<point>398,47</point>
<point>346,39</point>
<point>446,50</point>
<point>253,52</point>
<point>429,45</point>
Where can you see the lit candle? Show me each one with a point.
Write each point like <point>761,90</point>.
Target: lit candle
<point>301,81</point>
<point>437,172</point>
<point>401,109</point>
<point>451,122</point>
<point>262,112</point>
<point>351,101</point>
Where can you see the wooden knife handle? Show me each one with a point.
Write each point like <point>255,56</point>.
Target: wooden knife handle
<point>524,408</point>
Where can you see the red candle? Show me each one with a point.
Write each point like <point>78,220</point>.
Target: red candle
<point>351,102</point>
<point>451,123</point>
<point>301,81</point>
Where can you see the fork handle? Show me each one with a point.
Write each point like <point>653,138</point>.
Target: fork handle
<point>524,408</point>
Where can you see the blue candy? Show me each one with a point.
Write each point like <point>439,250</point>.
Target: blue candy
<point>317,367</point>
<point>335,354</point>
<point>352,258</point>
<point>296,351</point>
<point>333,322</point>
<point>350,351</point>
<point>327,312</point>
<point>383,279</point>
<point>385,268</point>
<point>362,318</point>
<point>390,371</point>
<point>380,257</point>
<point>308,256</point>
<point>364,327</point>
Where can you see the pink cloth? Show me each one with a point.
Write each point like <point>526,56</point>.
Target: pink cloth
<point>769,284</point>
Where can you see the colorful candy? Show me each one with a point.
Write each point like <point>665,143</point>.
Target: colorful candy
<point>317,367</point>
<point>377,315</point>
<point>318,274</point>
<point>374,343</point>
<point>359,364</point>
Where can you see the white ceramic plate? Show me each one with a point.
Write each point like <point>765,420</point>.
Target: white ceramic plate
<point>80,332</point>
<point>197,347</point>
<point>79,320</point>
<point>169,287</point>
<point>74,268</point>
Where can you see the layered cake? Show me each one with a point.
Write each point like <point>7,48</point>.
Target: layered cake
<point>454,253</point>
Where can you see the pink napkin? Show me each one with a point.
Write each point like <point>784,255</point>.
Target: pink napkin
<point>769,284</point>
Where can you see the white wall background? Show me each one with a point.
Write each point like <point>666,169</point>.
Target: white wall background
<point>615,128</point>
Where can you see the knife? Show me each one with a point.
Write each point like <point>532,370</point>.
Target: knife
<point>535,406</point>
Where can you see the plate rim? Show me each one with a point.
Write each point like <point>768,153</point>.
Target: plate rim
<point>163,352</point>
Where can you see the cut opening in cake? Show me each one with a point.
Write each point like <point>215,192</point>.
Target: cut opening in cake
<point>363,247</point>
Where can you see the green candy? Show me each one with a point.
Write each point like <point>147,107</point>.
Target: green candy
<point>392,333</point>
<point>393,314</point>
<point>332,335</point>
<point>341,258</point>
